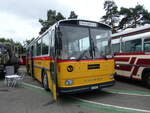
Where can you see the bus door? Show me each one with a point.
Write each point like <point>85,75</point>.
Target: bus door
<point>32,61</point>
<point>53,68</point>
<point>53,73</point>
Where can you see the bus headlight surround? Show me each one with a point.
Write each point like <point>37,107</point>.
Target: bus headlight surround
<point>68,82</point>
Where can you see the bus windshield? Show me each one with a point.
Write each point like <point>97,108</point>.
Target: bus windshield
<point>83,42</point>
<point>101,39</point>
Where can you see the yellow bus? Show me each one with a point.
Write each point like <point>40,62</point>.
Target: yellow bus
<point>72,56</point>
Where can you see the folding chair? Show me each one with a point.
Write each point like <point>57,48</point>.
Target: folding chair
<point>11,80</point>
<point>20,79</point>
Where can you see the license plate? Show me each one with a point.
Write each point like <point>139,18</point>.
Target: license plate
<point>94,87</point>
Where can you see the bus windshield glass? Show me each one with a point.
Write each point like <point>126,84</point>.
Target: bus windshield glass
<point>83,42</point>
<point>101,39</point>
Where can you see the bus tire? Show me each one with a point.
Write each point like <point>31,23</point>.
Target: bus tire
<point>45,81</point>
<point>28,70</point>
<point>147,79</point>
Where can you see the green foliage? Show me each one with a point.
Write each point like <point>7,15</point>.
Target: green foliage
<point>52,17</point>
<point>112,14</point>
<point>73,15</point>
<point>3,40</point>
<point>133,17</point>
<point>59,16</point>
<point>126,17</point>
<point>27,42</point>
<point>17,45</point>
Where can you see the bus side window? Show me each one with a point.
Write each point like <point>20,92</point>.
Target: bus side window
<point>133,45</point>
<point>31,51</point>
<point>123,47</point>
<point>147,45</point>
<point>28,52</point>
<point>52,39</point>
<point>34,50</point>
<point>45,44</point>
<point>116,48</point>
<point>38,47</point>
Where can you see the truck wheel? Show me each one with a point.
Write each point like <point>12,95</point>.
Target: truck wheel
<point>45,81</point>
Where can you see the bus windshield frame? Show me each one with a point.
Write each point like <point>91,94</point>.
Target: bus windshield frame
<point>82,42</point>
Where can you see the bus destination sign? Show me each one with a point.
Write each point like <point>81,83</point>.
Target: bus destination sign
<point>90,24</point>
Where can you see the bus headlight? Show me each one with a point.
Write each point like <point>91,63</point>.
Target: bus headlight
<point>112,76</point>
<point>68,82</point>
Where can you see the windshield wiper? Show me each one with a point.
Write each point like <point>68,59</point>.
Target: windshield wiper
<point>92,51</point>
<point>82,54</point>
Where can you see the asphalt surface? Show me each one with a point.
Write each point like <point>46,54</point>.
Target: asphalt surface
<point>124,94</point>
<point>29,99</point>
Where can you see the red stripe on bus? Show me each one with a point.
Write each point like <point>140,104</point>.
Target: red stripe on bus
<point>132,60</point>
<point>42,58</point>
<point>143,62</point>
<point>140,62</point>
<point>124,67</point>
<point>118,54</point>
<point>48,58</point>
<point>127,67</point>
<point>84,60</point>
<point>122,59</point>
<point>135,71</point>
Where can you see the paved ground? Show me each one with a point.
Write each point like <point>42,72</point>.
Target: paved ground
<point>125,97</point>
<point>123,94</point>
<point>32,100</point>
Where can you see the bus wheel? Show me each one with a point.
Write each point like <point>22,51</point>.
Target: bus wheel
<point>28,70</point>
<point>45,81</point>
<point>148,81</point>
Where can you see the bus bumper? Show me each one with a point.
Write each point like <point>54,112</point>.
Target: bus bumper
<point>86,88</point>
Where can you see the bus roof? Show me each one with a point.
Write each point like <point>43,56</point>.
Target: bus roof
<point>76,21</point>
<point>71,22</point>
<point>134,31</point>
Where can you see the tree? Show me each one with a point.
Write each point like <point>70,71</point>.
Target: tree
<point>52,17</point>
<point>59,16</point>
<point>73,15</point>
<point>112,14</point>
<point>133,17</point>
<point>3,40</point>
<point>17,45</point>
<point>27,42</point>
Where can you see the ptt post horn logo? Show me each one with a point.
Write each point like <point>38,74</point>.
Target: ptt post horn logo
<point>70,68</point>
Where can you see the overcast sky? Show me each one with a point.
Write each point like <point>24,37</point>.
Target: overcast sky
<point>19,18</point>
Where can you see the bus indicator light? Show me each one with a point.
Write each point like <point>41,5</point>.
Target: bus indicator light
<point>68,82</point>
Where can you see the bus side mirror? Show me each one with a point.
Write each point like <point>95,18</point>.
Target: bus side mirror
<point>58,40</point>
<point>58,46</point>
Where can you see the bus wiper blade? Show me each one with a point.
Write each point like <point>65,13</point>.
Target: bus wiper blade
<point>82,54</point>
